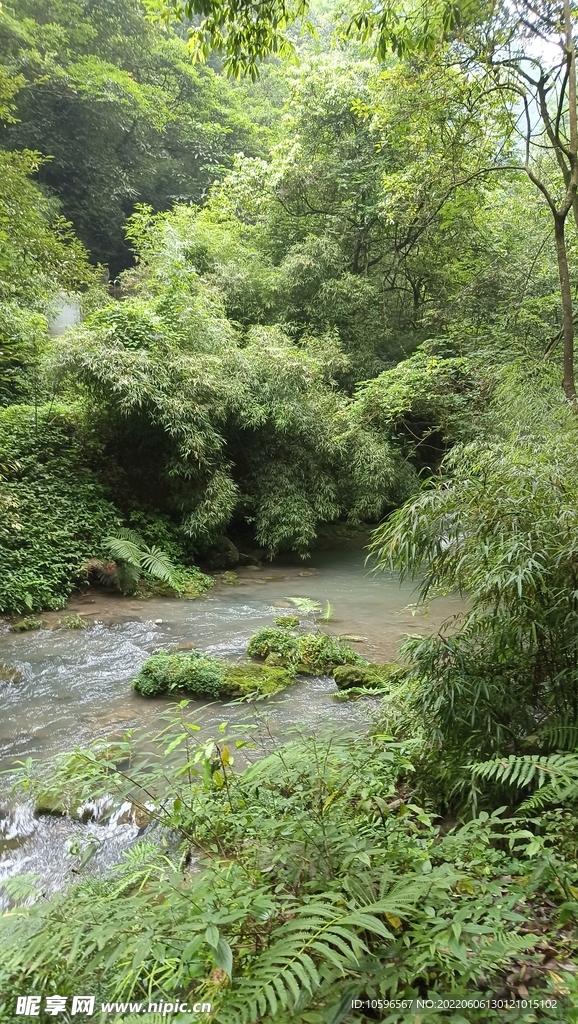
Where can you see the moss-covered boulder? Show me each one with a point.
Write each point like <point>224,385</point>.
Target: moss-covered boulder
<point>204,676</point>
<point>367,677</point>
<point>263,679</point>
<point>287,621</point>
<point>278,641</point>
<point>29,622</point>
<point>320,654</point>
<point>313,654</point>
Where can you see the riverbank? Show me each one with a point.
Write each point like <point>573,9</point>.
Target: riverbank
<point>74,684</point>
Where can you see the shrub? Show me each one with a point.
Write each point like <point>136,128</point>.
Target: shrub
<point>501,526</point>
<point>55,510</point>
<point>319,880</point>
<point>75,622</point>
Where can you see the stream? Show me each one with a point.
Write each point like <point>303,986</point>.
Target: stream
<point>74,684</point>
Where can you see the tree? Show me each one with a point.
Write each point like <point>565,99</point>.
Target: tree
<point>526,53</point>
<point>119,111</point>
<point>507,47</point>
<point>368,203</point>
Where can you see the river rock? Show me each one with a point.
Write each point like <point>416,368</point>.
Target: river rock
<point>9,674</point>
<point>222,555</point>
<point>371,676</point>
<point>253,556</point>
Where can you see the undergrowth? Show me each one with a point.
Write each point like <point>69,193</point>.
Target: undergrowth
<point>317,879</point>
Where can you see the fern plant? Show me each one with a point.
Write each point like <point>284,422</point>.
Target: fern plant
<point>554,777</point>
<point>319,941</point>
<point>129,558</point>
<point>318,883</point>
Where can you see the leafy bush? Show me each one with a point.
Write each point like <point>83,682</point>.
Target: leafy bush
<point>206,676</point>
<point>501,527</point>
<point>75,622</point>
<point>57,511</point>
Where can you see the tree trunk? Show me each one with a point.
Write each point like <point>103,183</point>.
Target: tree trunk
<point>567,311</point>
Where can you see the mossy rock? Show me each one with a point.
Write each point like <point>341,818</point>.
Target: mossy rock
<point>262,679</point>
<point>205,676</point>
<point>9,674</point>
<point>287,621</point>
<point>320,654</point>
<point>231,579</point>
<point>25,624</point>
<point>366,677</point>
<point>273,641</point>
<point>194,673</point>
<point>313,654</point>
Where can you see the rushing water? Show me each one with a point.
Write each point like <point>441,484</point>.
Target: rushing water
<point>67,314</point>
<point>75,684</point>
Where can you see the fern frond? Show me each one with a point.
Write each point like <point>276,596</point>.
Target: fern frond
<point>554,776</point>
<point>126,577</point>
<point>133,556</point>
<point>159,565</point>
<point>559,734</point>
<point>125,533</point>
<point>124,549</point>
<point>305,605</point>
<point>520,771</point>
<point>287,971</point>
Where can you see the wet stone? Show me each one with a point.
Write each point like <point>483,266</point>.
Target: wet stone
<point>9,674</point>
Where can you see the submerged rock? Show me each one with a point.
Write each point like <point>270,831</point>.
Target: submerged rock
<point>47,804</point>
<point>9,674</point>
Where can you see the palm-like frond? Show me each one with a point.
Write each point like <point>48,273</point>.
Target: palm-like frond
<point>125,546</point>
<point>305,605</point>
<point>559,734</point>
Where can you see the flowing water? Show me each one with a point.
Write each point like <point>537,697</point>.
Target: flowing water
<point>74,684</point>
<point>67,314</point>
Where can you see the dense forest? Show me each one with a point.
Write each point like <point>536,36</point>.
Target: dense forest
<point>325,266</point>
